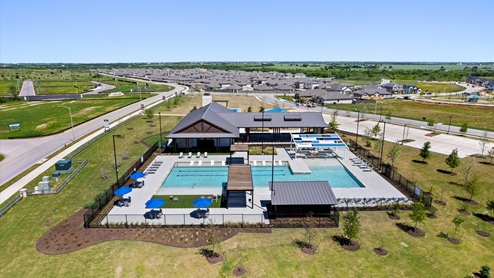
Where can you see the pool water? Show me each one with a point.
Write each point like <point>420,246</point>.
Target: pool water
<point>217,176</point>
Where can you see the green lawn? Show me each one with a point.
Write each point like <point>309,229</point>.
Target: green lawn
<point>63,87</point>
<point>263,255</point>
<point>125,85</point>
<point>433,87</point>
<point>48,117</point>
<point>476,116</point>
<point>1,157</point>
<point>184,201</point>
<point>6,84</point>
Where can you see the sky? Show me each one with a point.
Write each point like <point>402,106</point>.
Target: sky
<point>107,31</point>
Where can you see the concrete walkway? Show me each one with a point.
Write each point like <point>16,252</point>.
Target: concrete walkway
<point>27,89</point>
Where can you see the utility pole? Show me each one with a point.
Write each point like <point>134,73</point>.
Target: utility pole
<point>403,139</point>
<point>356,135</point>
<point>161,142</point>
<point>382,144</point>
<point>449,125</point>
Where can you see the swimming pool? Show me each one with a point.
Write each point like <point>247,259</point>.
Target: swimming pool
<point>217,176</point>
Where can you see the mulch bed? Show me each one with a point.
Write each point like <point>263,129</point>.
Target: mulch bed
<point>473,203</point>
<point>216,259</point>
<point>465,212</point>
<point>454,240</point>
<point>353,246</point>
<point>416,232</point>
<point>70,235</point>
<point>310,250</point>
<point>239,271</point>
<point>482,233</point>
<point>393,216</point>
<point>440,202</point>
<point>381,251</point>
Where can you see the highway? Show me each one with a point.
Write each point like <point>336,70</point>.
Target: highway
<point>20,154</point>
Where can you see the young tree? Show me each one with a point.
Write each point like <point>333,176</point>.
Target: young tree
<point>351,227</point>
<point>368,137</point>
<point>484,142</point>
<point>261,109</point>
<point>457,222</point>
<point>249,109</point>
<point>149,113</point>
<point>378,144</point>
<point>431,122</point>
<point>464,128</point>
<point>472,186</point>
<point>490,206</point>
<point>376,131</point>
<point>394,152</point>
<point>425,151</point>
<point>193,109</point>
<point>333,124</point>
<point>467,168</point>
<point>310,231</point>
<point>418,213</point>
<point>490,154</point>
<point>453,160</point>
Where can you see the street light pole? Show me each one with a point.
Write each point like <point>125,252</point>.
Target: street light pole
<point>262,133</point>
<point>382,143</point>
<point>161,142</point>
<point>449,125</point>
<point>356,135</point>
<point>71,122</point>
<point>115,157</point>
<point>403,139</point>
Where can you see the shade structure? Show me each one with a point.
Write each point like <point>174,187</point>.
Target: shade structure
<point>122,191</point>
<point>137,175</point>
<point>155,203</point>
<point>202,202</point>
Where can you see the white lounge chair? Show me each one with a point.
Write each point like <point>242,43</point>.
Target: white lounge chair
<point>205,154</point>
<point>198,154</point>
<point>192,163</point>
<point>181,155</point>
<point>190,155</point>
<point>212,162</point>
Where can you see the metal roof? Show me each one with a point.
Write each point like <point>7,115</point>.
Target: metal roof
<point>302,193</point>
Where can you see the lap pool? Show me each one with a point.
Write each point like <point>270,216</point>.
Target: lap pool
<point>217,176</point>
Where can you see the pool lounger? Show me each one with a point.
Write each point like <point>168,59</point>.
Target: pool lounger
<point>190,155</point>
<point>367,170</point>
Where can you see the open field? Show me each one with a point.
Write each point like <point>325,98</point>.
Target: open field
<point>263,255</point>
<point>433,87</point>
<point>62,87</point>
<point>243,102</point>
<point>476,116</point>
<point>48,117</point>
<point>126,85</point>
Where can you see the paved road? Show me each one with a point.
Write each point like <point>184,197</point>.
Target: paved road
<point>101,87</point>
<point>21,154</point>
<point>27,89</point>
<point>395,120</point>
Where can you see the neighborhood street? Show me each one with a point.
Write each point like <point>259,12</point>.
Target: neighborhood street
<point>20,154</point>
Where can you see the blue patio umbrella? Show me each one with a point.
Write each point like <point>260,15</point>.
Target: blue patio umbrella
<point>122,191</point>
<point>155,203</point>
<point>202,202</point>
<point>137,175</point>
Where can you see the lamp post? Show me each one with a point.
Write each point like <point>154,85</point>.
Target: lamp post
<point>115,157</point>
<point>356,135</point>
<point>71,122</point>
<point>382,143</point>
<point>449,125</point>
<point>161,142</point>
<point>262,133</point>
<point>403,139</point>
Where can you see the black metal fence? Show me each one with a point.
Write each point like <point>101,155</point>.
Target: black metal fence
<point>321,220</point>
<point>394,177</point>
<point>102,201</point>
<point>104,220</point>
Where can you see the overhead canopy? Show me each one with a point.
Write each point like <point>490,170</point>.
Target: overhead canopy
<point>302,193</point>
<point>317,141</point>
<point>239,148</point>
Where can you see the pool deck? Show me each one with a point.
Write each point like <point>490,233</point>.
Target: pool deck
<point>375,187</point>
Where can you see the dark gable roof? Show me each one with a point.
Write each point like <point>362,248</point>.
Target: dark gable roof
<point>302,193</point>
<point>210,114</point>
